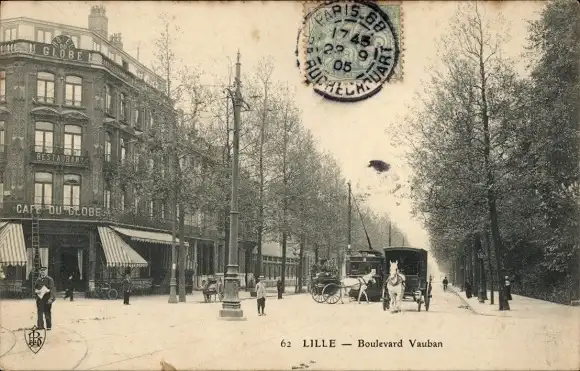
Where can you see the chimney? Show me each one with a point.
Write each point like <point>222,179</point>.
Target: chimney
<point>116,40</point>
<point>98,21</point>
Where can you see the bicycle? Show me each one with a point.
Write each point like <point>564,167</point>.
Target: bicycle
<point>105,291</point>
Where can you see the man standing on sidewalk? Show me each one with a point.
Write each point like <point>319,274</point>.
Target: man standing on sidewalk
<point>126,288</point>
<point>261,296</point>
<point>279,287</point>
<point>45,296</point>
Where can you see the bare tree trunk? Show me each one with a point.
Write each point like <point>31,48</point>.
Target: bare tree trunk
<point>299,277</point>
<point>182,255</point>
<point>490,265</point>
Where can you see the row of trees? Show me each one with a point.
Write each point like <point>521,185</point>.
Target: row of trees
<point>289,190</point>
<point>496,155</point>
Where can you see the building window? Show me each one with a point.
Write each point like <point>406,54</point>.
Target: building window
<point>43,137</point>
<point>162,210</point>
<point>136,204</point>
<point>96,46</point>
<point>2,139</point>
<point>123,150</point>
<point>123,106</point>
<point>1,194</point>
<point>136,117</point>
<point>72,190</point>
<point>2,86</point>
<point>107,196</point>
<point>72,140</point>
<point>43,36</point>
<point>125,65</point>
<point>151,122</point>
<point>151,209</point>
<point>111,56</point>
<point>122,199</point>
<point>10,34</point>
<point>73,91</point>
<point>43,188</point>
<point>45,87</point>
<point>108,100</point>
<point>108,146</point>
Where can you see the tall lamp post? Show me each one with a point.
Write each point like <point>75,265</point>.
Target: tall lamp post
<point>481,293</point>
<point>231,308</point>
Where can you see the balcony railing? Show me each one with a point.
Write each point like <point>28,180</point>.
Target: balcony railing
<point>43,154</point>
<point>94,58</point>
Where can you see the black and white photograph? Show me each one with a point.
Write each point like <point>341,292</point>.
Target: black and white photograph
<point>290,185</point>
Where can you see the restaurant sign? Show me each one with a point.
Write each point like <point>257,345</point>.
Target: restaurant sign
<point>62,47</point>
<point>61,211</point>
<point>54,158</point>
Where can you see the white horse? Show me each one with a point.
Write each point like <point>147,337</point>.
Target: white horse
<point>395,283</point>
<point>362,283</point>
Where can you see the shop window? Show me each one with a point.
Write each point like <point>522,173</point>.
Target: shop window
<point>73,91</point>
<point>43,188</point>
<point>108,146</point>
<point>2,86</point>
<point>43,137</point>
<point>72,190</point>
<point>45,87</point>
<point>72,140</point>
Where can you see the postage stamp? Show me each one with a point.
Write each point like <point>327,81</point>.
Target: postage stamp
<point>347,50</point>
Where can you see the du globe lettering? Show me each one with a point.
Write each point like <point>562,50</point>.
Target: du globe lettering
<point>65,211</point>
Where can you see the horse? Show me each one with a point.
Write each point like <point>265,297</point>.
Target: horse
<point>361,282</point>
<point>395,284</point>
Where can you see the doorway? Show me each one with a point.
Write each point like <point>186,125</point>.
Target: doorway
<point>69,267</point>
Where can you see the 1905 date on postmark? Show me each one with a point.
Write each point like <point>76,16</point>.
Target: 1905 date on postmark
<point>348,49</point>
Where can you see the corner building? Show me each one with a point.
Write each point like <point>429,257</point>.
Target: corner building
<point>71,113</point>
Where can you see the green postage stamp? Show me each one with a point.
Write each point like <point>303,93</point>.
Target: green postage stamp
<point>347,50</point>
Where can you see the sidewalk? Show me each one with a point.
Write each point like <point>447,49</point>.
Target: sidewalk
<point>520,306</point>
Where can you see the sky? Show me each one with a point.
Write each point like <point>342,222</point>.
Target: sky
<point>353,132</point>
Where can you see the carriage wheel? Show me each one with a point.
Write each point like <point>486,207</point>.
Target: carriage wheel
<point>332,293</point>
<point>317,294</point>
<point>113,294</point>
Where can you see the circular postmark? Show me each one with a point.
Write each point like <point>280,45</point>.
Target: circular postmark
<point>349,49</point>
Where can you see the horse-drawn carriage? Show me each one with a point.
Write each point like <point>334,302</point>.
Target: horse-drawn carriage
<point>323,286</point>
<point>407,277</point>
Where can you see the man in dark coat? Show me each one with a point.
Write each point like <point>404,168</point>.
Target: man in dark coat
<point>127,286</point>
<point>44,300</point>
<point>468,292</point>
<point>445,283</point>
<point>280,288</point>
<point>69,288</point>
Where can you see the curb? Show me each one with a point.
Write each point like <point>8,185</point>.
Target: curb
<point>452,288</point>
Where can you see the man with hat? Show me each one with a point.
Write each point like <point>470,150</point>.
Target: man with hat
<point>45,296</point>
<point>261,296</point>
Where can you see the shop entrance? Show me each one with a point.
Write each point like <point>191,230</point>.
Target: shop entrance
<point>70,267</point>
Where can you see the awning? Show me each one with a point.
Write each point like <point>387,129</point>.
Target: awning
<point>12,246</point>
<point>117,252</point>
<point>145,236</point>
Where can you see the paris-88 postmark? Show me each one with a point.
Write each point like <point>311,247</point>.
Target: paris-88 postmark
<point>348,49</point>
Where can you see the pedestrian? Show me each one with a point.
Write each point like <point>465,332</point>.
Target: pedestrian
<point>445,283</point>
<point>280,288</point>
<point>69,288</point>
<point>220,289</point>
<point>261,296</point>
<point>508,288</point>
<point>127,286</point>
<point>468,292</point>
<point>45,296</point>
<point>204,286</point>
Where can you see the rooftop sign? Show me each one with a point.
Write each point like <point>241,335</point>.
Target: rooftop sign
<point>62,47</point>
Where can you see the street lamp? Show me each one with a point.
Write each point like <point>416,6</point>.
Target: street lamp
<point>231,308</point>
<point>481,293</point>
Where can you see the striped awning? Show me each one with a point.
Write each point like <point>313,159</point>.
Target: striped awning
<point>12,246</point>
<point>146,236</point>
<point>117,252</point>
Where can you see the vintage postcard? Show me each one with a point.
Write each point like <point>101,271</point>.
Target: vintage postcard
<point>289,185</point>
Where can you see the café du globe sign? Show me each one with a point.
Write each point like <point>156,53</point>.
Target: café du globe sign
<point>62,47</point>
<point>60,212</point>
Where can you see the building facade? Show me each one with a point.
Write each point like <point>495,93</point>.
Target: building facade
<point>72,113</point>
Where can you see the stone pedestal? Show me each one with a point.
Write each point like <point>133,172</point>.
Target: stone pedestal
<point>231,307</point>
